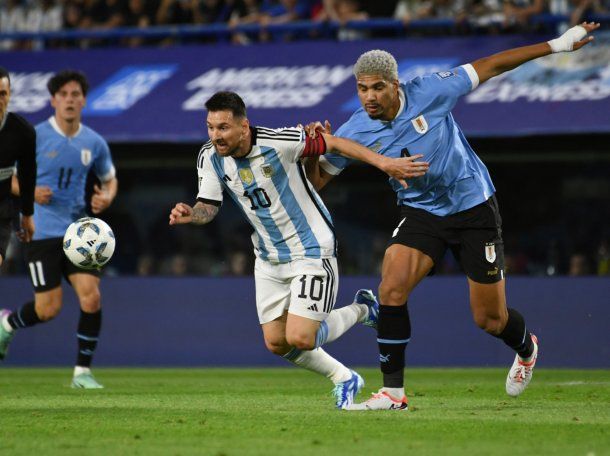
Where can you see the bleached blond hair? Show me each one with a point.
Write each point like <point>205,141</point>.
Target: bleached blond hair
<point>377,62</point>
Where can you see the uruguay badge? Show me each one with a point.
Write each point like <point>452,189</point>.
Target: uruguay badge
<point>85,156</point>
<point>420,124</point>
<point>490,252</point>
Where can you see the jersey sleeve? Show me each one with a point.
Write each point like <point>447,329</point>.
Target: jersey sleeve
<point>26,171</point>
<point>290,142</point>
<point>103,166</point>
<point>446,87</point>
<point>334,163</point>
<point>209,185</point>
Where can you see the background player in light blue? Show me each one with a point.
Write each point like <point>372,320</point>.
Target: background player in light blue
<point>66,151</point>
<point>452,206</point>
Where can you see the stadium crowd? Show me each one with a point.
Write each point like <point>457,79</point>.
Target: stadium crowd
<point>461,16</point>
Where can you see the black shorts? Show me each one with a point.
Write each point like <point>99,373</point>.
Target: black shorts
<point>47,263</point>
<point>474,237</point>
<point>6,227</point>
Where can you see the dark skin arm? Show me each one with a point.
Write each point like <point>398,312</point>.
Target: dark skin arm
<point>488,67</point>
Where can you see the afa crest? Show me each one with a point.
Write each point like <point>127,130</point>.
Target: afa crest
<point>490,252</point>
<point>268,171</point>
<point>245,174</point>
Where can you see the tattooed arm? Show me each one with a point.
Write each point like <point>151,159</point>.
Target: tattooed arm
<point>200,214</point>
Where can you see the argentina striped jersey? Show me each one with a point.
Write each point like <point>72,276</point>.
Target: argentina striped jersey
<point>269,185</point>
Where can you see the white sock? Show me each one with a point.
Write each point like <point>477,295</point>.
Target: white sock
<point>339,321</point>
<point>396,393</point>
<point>8,328</point>
<point>78,370</point>
<point>319,361</point>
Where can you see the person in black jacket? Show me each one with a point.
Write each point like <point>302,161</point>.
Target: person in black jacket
<point>17,145</point>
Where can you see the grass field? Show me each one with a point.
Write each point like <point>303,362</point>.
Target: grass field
<point>282,412</point>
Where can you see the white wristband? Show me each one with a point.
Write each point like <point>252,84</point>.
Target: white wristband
<point>566,41</point>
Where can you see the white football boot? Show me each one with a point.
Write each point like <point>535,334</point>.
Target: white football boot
<point>521,372</point>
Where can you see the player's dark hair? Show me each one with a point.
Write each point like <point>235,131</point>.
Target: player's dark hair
<point>4,74</point>
<point>63,77</point>
<point>227,101</point>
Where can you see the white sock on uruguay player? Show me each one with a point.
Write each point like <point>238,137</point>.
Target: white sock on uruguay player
<point>319,361</point>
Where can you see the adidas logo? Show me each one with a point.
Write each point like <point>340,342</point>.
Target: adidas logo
<point>313,308</point>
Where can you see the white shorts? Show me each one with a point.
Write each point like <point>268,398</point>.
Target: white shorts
<point>307,288</point>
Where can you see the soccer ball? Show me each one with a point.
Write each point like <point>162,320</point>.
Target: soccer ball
<point>89,243</point>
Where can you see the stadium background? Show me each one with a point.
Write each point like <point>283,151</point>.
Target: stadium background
<point>542,130</point>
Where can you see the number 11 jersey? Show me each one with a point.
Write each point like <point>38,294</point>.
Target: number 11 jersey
<point>63,165</point>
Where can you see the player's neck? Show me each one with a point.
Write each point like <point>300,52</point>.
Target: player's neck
<point>68,127</point>
<point>246,145</point>
<point>393,111</point>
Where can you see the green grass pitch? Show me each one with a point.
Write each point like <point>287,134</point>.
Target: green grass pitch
<point>281,412</point>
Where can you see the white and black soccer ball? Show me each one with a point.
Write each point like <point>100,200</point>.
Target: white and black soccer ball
<point>89,243</point>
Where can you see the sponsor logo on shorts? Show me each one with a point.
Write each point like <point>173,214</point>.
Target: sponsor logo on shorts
<point>493,272</point>
<point>384,358</point>
<point>490,251</point>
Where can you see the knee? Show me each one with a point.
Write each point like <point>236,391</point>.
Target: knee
<point>392,294</point>
<point>277,346</point>
<point>49,309</point>
<point>492,324</point>
<point>90,301</point>
<point>302,341</point>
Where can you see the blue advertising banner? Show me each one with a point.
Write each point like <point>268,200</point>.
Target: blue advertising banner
<point>145,95</point>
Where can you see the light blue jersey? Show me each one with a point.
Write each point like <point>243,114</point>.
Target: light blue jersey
<point>269,185</point>
<point>457,179</point>
<point>63,164</point>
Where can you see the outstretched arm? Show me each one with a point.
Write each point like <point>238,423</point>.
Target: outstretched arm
<point>572,40</point>
<point>200,214</point>
<point>398,168</point>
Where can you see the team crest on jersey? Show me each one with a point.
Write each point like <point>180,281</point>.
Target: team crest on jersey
<point>268,171</point>
<point>51,154</point>
<point>85,156</point>
<point>490,252</point>
<point>246,176</point>
<point>420,124</point>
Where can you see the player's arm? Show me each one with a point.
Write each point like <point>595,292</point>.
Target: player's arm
<point>398,168</point>
<point>200,214</point>
<point>315,173</point>
<point>571,40</point>
<point>103,195</point>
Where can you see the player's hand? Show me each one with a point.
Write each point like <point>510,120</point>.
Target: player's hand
<point>312,129</point>
<point>100,200</point>
<point>405,168</point>
<point>180,214</point>
<point>27,228</point>
<point>43,194</point>
<point>589,27</point>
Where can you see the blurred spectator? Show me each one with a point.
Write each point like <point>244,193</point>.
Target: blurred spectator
<point>517,13</point>
<point>45,16</point>
<point>603,258</point>
<point>579,265</point>
<point>282,12</point>
<point>177,11</point>
<point>146,265</point>
<point>239,263</point>
<point>582,8</point>
<point>12,19</point>
<point>245,12</point>
<point>137,15</point>
<point>485,14</point>
<point>344,11</point>
<point>379,8</point>
<point>213,11</point>
<point>442,9</point>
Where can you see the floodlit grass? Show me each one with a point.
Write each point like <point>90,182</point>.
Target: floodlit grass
<point>289,411</point>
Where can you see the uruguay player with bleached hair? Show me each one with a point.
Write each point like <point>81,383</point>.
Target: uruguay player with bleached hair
<point>452,206</point>
<point>66,150</point>
<point>294,239</point>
